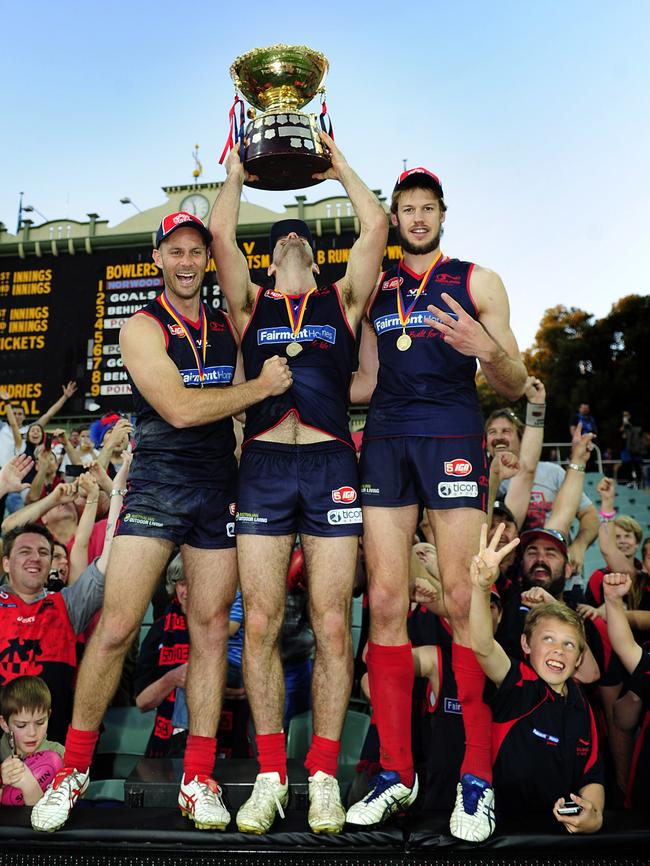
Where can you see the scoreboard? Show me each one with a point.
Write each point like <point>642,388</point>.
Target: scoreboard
<point>60,316</point>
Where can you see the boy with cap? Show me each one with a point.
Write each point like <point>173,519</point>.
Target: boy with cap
<point>429,320</point>
<point>544,738</point>
<point>298,473</point>
<point>181,358</point>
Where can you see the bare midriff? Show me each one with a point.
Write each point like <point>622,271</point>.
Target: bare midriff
<point>291,431</point>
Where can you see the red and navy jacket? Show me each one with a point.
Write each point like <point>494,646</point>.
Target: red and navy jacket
<point>321,371</point>
<point>544,745</point>
<point>195,456</point>
<point>38,639</point>
<point>428,390</point>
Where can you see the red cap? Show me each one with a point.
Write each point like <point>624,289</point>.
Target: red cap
<point>418,177</point>
<point>181,220</point>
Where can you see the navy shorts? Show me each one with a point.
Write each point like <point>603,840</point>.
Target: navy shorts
<point>433,472</point>
<point>284,489</point>
<point>199,516</point>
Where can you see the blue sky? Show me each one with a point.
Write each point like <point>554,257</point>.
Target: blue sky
<point>534,114</point>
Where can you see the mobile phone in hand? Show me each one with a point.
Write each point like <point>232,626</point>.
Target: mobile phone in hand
<point>569,808</point>
<point>74,470</point>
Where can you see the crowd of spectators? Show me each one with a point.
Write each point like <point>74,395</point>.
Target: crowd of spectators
<point>60,497</point>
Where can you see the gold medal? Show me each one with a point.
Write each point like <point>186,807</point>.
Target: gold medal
<point>293,349</point>
<point>404,342</point>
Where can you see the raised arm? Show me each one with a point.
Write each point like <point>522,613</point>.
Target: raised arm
<point>79,551</point>
<point>35,510</point>
<point>158,380</point>
<point>68,391</point>
<point>11,420</point>
<point>568,497</point>
<point>116,500</point>
<point>489,338</point>
<point>484,570</point>
<point>367,252</point>
<point>234,276</point>
<point>112,441</point>
<point>71,452</point>
<point>517,497</point>
<point>615,587</point>
<point>364,380</point>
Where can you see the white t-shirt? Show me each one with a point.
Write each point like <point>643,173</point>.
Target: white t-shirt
<point>548,480</point>
<point>7,446</point>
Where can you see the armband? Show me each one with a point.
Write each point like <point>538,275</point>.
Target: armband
<point>535,414</point>
<point>606,516</point>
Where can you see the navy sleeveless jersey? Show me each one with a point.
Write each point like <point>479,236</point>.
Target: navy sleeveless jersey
<point>321,372</point>
<point>200,456</point>
<point>429,389</point>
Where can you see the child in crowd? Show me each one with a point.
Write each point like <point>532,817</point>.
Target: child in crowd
<point>29,760</point>
<point>634,706</point>
<point>544,742</point>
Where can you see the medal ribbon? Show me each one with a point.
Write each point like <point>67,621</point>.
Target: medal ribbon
<point>405,315</point>
<point>296,317</point>
<point>176,316</point>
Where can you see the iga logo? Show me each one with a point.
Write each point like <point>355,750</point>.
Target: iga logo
<point>271,293</point>
<point>457,489</point>
<point>232,508</point>
<point>176,331</point>
<point>344,515</point>
<point>344,494</point>
<point>393,283</point>
<point>458,467</point>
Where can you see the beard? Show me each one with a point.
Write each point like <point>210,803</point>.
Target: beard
<point>555,584</point>
<point>417,249</point>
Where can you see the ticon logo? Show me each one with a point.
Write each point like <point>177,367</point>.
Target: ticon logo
<point>344,494</point>
<point>458,467</point>
<point>344,515</point>
<point>457,489</point>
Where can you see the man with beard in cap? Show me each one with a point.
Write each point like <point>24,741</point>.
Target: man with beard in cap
<point>298,473</point>
<point>430,319</point>
<point>181,358</point>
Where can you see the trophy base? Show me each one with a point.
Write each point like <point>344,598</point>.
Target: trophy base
<point>284,150</point>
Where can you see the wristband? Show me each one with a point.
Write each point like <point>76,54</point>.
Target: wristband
<point>579,467</point>
<point>607,515</point>
<point>535,414</point>
<point>92,501</point>
<point>118,491</point>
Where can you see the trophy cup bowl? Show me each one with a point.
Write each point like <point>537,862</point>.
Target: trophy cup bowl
<point>282,145</point>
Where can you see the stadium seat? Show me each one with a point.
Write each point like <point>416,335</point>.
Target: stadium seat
<point>122,742</point>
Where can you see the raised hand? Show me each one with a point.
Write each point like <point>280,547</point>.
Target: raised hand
<point>339,162</point>
<point>536,595</point>
<point>69,389</point>
<point>606,488</point>
<point>235,167</point>
<point>616,585</point>
<point>12,474</point>
<point>484,567</point>
<point>534,390</point>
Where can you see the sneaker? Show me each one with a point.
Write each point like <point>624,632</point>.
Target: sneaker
<point>52,810</point>
<point>199,799</point>
<point>473,815</point>
<point>387,797</point>
<point>326,812</point>
<point>269,798</point>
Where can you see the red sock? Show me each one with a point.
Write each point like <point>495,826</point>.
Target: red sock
<point>390,676</point>
<point>272,754</point>
<point>323,755</point>
<point>79,748</point>
<point>477,716</point>
<point>200,755</point>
